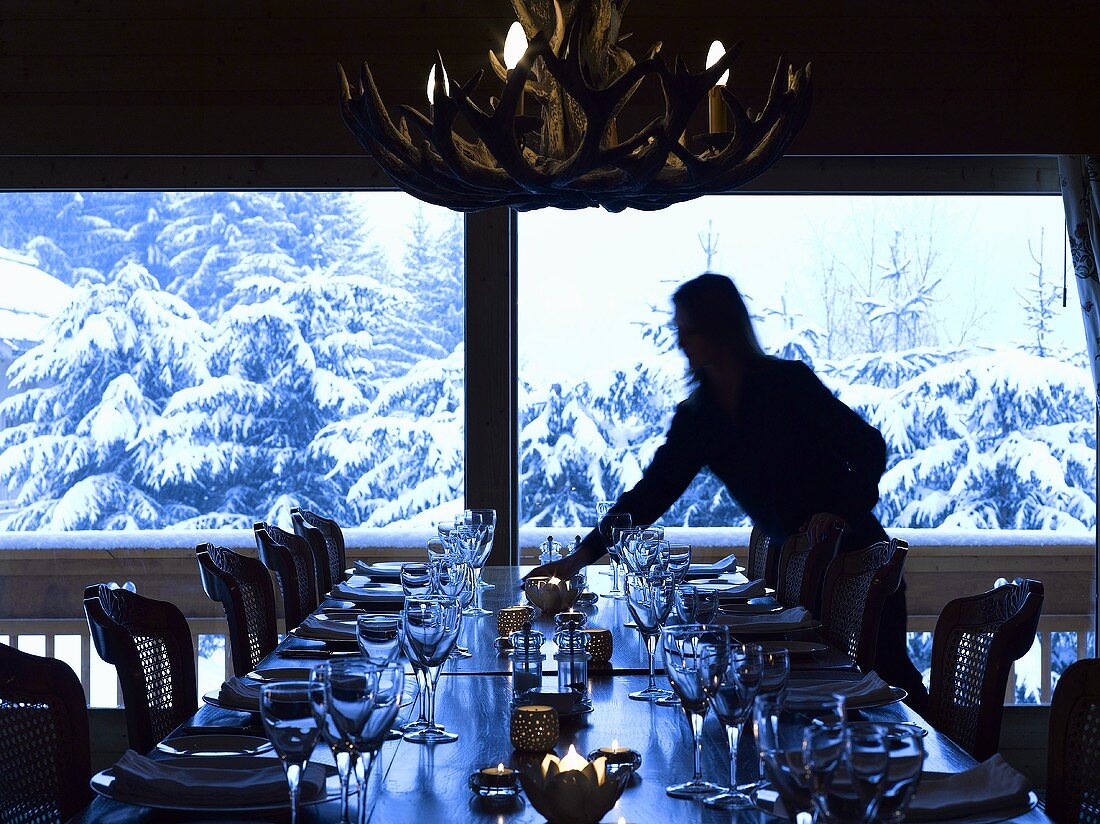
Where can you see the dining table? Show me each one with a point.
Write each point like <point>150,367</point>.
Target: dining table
<point>426,783</point>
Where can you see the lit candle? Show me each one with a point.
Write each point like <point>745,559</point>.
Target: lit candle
<point>498,776</point>
<point>717,106</point>
<point>495,781</point>
<point>515,46</point>
<point>618,758</point>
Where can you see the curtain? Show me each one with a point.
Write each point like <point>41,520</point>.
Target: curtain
<point>1079,176</point>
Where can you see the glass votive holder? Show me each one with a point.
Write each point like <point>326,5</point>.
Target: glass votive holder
<point>509,620</point>
<point>534,728</point>
<point>600,644</point>
<point>495,782</point>
<point>562,619</point>
<point>617,758</point>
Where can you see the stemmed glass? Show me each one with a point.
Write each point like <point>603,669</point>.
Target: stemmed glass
<point>454,578</point>
<point>343,751</point>
<point>487,518</point>
<point>737,690</point>
<point>774,675</point>
<point>468,542</point>
<point>649,600</point>
<point>363,699</point>
<point>379,637</point>
<point>906,759</point>
<point>696,605</point>
<point>416,579</point>
<point>679,560</point>
<point>695,659</point>
<point>289,721</point>
<point>429,629</point>
<point>611,525</point>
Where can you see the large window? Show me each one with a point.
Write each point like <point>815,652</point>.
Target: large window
<point>939,319</point>
<point>186,360</point>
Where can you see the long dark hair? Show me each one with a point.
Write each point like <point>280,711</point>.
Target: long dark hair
<point>718,312</point>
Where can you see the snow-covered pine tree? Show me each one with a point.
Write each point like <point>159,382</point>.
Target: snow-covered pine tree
<point>403,454</point>
<point>428,323</point>
<point>102,374</point>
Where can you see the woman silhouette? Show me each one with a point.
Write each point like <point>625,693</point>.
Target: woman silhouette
<point>792,455</point>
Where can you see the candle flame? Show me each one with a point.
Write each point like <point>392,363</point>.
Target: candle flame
<point>514,45</point>
<point>573,760</point>
<point>554,580</point>
<point>716,53</point>
<point>614,744</point>
<point>500,767</point>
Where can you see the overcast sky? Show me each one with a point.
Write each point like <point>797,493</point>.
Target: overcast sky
<point>586,275</point>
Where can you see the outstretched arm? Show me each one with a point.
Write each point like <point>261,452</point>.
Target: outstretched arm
<point>675,464</point>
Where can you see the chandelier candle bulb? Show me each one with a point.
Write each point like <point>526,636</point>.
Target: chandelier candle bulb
<point>515,44</point>
<point>716,106</point>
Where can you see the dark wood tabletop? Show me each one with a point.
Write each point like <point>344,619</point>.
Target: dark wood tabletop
<point>416,782</point>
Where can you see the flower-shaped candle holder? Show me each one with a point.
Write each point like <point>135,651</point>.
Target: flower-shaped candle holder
<point>550,595</point>
<point>573,790</point>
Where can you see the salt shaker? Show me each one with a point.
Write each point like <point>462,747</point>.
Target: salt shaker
<point>572,657</point>
<point>527,661</point>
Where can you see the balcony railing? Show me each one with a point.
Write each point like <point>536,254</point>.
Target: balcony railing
<point>42,578</point>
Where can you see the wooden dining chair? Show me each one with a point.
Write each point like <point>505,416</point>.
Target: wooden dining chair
<point>977,639</point>
<point>761,552</point>
<point>45,761</point>
<point>1073,747</point>
<point>802,567</point>
<point>326,539</point>
<point>242,585</point>
<point>856,587</point>
<point>291,559</point>
<point>149,643</point>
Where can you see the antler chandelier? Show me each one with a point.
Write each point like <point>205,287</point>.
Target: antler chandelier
<point>568,153</point>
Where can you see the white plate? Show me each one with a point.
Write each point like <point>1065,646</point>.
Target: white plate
<point>213,700</point>
<point>764,628</point>
<point>896,694</point>
<point>270,676</point>
<point>795,648</point>
<point>102,782</point>
<point>212,744</point>
<point>750,609</point>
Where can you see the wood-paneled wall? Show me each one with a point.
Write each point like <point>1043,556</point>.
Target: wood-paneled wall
<point>182,77</point>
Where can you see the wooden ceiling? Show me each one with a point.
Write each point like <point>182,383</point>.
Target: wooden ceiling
<point>179,77</point>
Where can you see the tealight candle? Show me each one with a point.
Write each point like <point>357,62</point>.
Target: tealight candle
<point>618,757</point>
<point>512,619</point>
<point>498,781</point>
<point>600,644</point>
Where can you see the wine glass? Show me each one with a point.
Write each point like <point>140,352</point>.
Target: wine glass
<point>737,689</point>
<point>343,751</point>
<point>363,700</point>
<point>649,600</point>
<point>679,560</point>
<point>695,658</point>
<point>696,605</point>
<point>610,527</point>
<point>487,518</point>
<point>776,673</point>
<point>455,578</point>
<point>429,629</point>
<point>379,637</point>
<point>437,548</point>
<point>416,579</point>
<point>290,723</point>
<point>469,541</point>
<point>905,753</point>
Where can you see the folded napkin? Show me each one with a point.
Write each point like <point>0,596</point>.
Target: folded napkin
<point>326,630</point>
<point>239,694</point>
<point>788,620</point>
<point>869,689</point>
<point>210,782</point>
<point>378,573</point>
<point>749,589</point>
<point>372,595</point>
<point>727,564</point>
<point>991,786</point>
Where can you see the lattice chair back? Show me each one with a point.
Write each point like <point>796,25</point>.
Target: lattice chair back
<point>242,585</point>
<point>45,763</point>
<point>802,568</point>
<point>976,641</point>
<point>149,643</point>
<point>761,550</point>
<point>326,539</point>
<point>856,586</point>
<point>291,559</point>
<point>1073,752</point>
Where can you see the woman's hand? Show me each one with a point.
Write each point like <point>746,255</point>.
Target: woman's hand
<point>817,529</point>
<point>562,569</point>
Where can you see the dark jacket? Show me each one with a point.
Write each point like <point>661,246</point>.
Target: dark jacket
<point>790,450</point>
